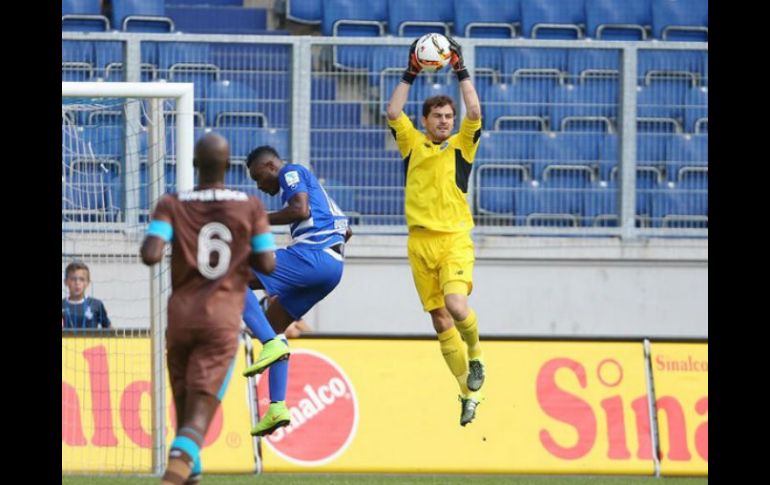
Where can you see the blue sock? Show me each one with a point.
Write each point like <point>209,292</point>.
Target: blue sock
<point>197,468</point>
<point>279,376</point>
<point>255,318</point>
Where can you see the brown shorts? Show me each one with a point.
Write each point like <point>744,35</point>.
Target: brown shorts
<point>199,359</point>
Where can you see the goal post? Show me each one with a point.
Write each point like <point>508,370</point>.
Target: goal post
<point>113,135</point>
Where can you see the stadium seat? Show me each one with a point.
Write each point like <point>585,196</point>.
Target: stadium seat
<point>565,149</point>
<point>251,57</point>
<point>618,19</point>
<point>682,205</point>
<point>244,139</point>
<point>537,204</point>
<point>686,151</point>
<point>680,20</point>
<point>673,64</point>
<point>492,18</point>
<point>305,11</point>
<point>352,18</point>
<point>510,148</point>
<point>526,99</point>
<point>662,102</point>
<point>532,60</point>
<point>648,183</point>
<point>335,115</point>
<point>141,16</point>
<point>83,16</point>
<point>585,64</point>
<point>323,88</point>
<point>583,108</point>
<point>600,204</point>
<point>553,19</point>
<point>77,60</point>
<point>109,60</point>
<point>212,19</point>
<point>347,146</point>
<point>609,155</point>
<point>494,187</point>
<point>652,149</point>
<point>407,18</point>
<point>696,113</point>
<point>212,3</point>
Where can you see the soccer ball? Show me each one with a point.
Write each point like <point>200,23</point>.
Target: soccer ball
<point>432,51</point>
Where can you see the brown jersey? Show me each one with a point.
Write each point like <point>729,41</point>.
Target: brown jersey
<point>210,247</point>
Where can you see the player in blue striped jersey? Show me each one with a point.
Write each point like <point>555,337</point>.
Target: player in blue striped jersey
<point>306,271</point>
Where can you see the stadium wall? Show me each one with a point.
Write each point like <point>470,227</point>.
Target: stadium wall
<point>522,287</point>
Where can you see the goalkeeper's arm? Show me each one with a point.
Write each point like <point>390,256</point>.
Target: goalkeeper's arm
<point>401,93</point>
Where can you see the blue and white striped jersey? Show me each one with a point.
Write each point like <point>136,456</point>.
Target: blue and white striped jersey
<point>327,224</point>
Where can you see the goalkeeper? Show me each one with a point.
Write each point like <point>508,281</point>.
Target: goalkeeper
<point>437,165</point>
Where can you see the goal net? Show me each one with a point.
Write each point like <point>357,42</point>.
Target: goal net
<point>123,146</point>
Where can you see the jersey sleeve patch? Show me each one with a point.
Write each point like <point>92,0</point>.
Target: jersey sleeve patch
<point>291,178</point>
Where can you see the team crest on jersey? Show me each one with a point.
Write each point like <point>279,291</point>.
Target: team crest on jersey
<point>291,178</point>
<point>444,145</point>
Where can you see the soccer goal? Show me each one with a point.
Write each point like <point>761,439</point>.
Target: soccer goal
<point>123,146</point>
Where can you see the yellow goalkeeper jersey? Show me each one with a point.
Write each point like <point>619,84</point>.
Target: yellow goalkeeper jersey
<point>437,175</point>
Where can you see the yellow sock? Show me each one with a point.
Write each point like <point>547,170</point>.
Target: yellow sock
<point>470,332</point>
<point>453,350</point>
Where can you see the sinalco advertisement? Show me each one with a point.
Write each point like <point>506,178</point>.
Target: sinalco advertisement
<point>392,406</point>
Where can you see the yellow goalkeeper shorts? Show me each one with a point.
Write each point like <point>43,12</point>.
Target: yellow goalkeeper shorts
<point>437,258</point>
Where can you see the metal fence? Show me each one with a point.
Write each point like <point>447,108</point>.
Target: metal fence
<point>579,137</point>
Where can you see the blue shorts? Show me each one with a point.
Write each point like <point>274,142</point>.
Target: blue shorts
<point>302,277</point>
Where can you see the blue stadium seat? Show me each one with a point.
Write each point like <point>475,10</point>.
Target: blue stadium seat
<point>352,18</point>
<point>618,19</point>
<point>335,115</point>
<point>266,85</point>
<point>696,112</point>
<point>609,155</point>
<point>343,195</point>
<point>210,19</point>
<point>566,149</point>
<point>141,16</point>
<point>491,19</point>
<point>227,99</point>
<point>511,148</point>
<point>583,108</point>
<point>680,20</point>
<point>346,146</point>
<point>382,58</point>
<point>537,204</point>
<point>648,182</point>
<point>109,60</point>
<point>364,173</point>
<point>686,151</point>
<point>323,88</point>
<point>83,16</point>
<point>304,11</point>
<point>600,204</point>
<point>584,64</point>
<point>525,100</point>
<point>93,191</point>
<point>672,64</point>
<point>244,139</point>
<point>682,205</point>
<point>531,59</point>
<point>553,19</point>
<point>494,187</point>
<point>664,101</point>
<point>172,53</point>
<point>407,18</point>
<point>209,3</point>
<point>651,149</point>
<point>77,60</point>
<point>251,57</point>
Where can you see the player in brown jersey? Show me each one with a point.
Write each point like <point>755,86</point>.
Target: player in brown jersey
<point>215,234</point>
